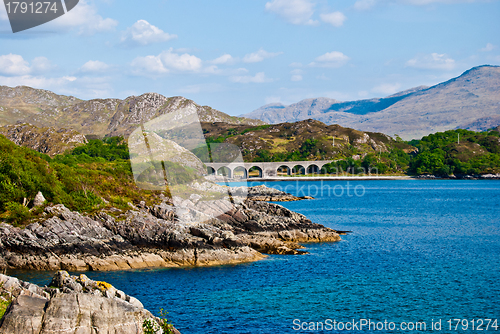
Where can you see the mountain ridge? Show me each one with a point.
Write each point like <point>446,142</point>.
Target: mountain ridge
<point>470,101</point>
<point>98,117</point>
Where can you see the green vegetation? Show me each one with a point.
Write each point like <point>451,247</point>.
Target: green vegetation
<point>5,301</point>
<point>83,179</point>
<point>459,152</point>
<point>233,132</point>
<point>150,326</point>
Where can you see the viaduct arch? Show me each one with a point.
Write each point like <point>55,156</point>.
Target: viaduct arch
<point>265,169</point>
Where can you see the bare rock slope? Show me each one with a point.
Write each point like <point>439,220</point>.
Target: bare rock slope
<point>98,116</point>
<point>470,101</point>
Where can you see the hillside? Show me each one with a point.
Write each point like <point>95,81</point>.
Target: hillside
<point>470,101</point>
<point>46,140</point>
<point>306,140</point>
<point>99,117</point>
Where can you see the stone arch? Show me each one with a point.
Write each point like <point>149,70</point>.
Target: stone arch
<point>240,170</point>
<point>252,170</point>
<point>312,169</point>
<point>298,169</point>
<point>283,170</point>
<point>210,170</point>
<point>224,171</point>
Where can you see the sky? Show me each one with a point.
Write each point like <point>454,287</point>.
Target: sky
<point>237,55</point>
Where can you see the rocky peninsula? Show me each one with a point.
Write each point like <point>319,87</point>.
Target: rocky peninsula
<point>162,235</point>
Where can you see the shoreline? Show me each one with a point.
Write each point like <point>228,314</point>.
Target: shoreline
<point>357,178</point>
<point>162,236</point>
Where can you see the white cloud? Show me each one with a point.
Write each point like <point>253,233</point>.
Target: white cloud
<point>224,59</point>
<point>336,19</point>
<point>258,78</point>
<point>15,65</point>
<point>488,47</point>
<point>364,4</point>
<point>144,33</point>
<point>259,56</point>
<point>331,59</point>
<point>94,66</point>
<point>434,61</point>
<point>180,62</point>
<point>387,89</point>
<point>84,16</point>
<point>41,65</point>
<point>149,66</point>
<point>294,11</point>
<point>296,77</point>
<point>165,62</point>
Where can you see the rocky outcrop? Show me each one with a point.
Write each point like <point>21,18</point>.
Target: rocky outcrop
<point>159,236</point>
<point>71,304</point>
<point>48,140</point>
<point>263,193</point>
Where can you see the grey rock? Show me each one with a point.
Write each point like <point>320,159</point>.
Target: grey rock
<point>39,199</point>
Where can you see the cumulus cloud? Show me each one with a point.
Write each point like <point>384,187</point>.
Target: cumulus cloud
<point>85,17</point>
<point>15,65</point>
<point>294,11</point>
<point>434,61</point>
<point>387,89</point>
<point>144,33</point>
<point>336,19</point>
<point>488,47</point>
<point>224,59</point>
<point>296,77</point>
<point>94,66</point>
<point>259,56</point>
<point>258,78</point>
<point>166,62</point>
<point>331,59</point>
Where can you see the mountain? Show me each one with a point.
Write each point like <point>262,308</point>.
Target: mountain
<point>98,117</point>
<point>470,101</point>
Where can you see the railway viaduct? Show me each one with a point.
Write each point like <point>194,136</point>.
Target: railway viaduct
<point>265,169</point>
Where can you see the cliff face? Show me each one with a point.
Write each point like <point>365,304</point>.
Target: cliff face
<point>160,236</point>
<point>71,305</point>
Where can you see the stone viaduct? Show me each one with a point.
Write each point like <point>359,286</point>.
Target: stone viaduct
<point>265,169</point>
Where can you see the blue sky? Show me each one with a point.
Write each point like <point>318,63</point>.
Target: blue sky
<point>236,56</point>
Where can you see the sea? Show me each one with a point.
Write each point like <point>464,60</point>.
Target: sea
<point>422,256</point>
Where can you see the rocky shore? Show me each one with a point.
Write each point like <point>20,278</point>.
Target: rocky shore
<point>161,235</point>
<point>72,304</point>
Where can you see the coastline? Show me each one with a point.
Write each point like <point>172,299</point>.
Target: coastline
<point>162,235</point>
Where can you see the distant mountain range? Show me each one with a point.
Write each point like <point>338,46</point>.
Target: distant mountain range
<point>98,117</point>
<point>470,101</point>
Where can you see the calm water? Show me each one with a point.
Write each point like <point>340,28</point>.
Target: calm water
<point>419,251</point>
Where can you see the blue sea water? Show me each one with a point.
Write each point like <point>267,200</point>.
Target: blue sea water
<point>420,251</point>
